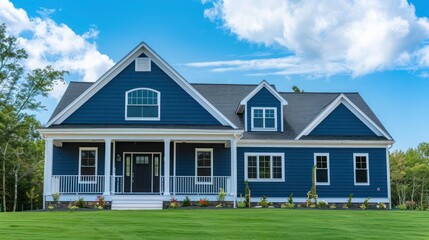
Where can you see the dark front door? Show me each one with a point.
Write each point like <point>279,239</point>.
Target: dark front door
<point>142,173</point>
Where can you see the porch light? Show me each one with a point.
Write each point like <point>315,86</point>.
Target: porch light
<point>118,158</point>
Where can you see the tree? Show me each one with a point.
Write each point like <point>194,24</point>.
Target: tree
<point>19,98</point>
<point>296,89</point>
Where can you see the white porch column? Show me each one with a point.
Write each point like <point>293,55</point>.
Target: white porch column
<point>107,163</point>
<point>167,166</point>
<point>47,187</point>
<point>234,169</point>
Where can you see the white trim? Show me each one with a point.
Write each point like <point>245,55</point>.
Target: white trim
<point>367,168</point>
<point>47,183</point>
<point>143,118</point>
<point>388,178</point>
<point>328,169</point>
<point>117,68</point>
<point>342,99</point>
<point>96,162</point>
<point>313,143</point>
<point>166,167</point>
<point>265,84</point>
<point>196,165</point>
<point>257,154</point>
<point>252,109</point>
<point>107,165</point>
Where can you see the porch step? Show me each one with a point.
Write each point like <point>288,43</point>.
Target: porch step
<point>136,203</point>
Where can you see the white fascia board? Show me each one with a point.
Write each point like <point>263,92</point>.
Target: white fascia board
<point>265,84</point>
<point>116,69</point>
<point>353,108</point>
<point>315,143</point>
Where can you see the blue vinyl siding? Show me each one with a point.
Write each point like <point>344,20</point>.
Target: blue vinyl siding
<point>185,159</point>
<point>107,106</point>
<point>342,122</point>
<point>298,166</point>
<point>263,99</point>
<point>66,158</point>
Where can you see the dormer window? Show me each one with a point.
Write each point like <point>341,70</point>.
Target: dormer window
<point>264,119</point>
<point>142,104</point>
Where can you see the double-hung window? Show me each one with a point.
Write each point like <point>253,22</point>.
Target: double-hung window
<point>361,168</point>
<point>203,165</point>
<point>264,166</point>
<point>142,104</point>
<point>87,165</point>
<point>321,161</point>
<point>264,119</point>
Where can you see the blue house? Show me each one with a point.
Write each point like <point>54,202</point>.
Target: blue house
<point>141,134</point>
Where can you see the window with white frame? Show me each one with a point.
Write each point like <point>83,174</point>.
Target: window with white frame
<point>88,164</point>
<point>321,161</point>
<point>264,119</point>
<point>142,104</point>
<point>361,168</point>
<point>264,166</point>
<point>203,165</point>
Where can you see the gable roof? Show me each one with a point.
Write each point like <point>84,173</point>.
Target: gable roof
<point>343,99</point>
<point>263,84</point>
<point>117,68</point>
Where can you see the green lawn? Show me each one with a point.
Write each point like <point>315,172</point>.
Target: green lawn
<point>217,224</point>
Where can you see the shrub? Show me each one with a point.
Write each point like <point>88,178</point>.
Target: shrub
<point>241,204</point>
<point>322,204</point>
<point>221,195</point>
<point>187,202</point>
<point>72,207</point>
<point>332,206</point>
<point>349,201</point>
<point>247,194</point>
<point>80,203</point>
<point>288,205</point>
<point>56,197</point>
<point>411,205</point>
<point>264,202</point>
<point>290,200</point>
<point>402,206</point>
<point>174,203</point>
<point>203,202</point>
<point>51,207</point>
<point>381,206</point>
<point>365,204</point>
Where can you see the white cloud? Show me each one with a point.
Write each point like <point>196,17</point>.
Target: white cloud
<point>56,44</point>
<point>348,36</point>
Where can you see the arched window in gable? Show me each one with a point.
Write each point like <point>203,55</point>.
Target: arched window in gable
<point>142,104</point>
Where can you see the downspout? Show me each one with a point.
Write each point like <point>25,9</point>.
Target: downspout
<point>388,176</point>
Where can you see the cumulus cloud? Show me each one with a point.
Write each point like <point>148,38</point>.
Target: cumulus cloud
<point>325,37</point>
<point>50,43</point>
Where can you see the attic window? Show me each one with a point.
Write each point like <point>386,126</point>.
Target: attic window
<point>142,104</point>
<point>264,119</point>
<point>143,65</point>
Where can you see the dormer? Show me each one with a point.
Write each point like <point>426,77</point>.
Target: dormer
<point>263,109</point>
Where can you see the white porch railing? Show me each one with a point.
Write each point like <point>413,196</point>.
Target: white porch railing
<point>77,184</point>
<point>198,185</point>
<point>116,184</point>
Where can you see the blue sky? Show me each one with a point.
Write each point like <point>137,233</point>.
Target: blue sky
<point>201,39</point>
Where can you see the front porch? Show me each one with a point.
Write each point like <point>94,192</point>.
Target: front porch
<point>198,165</point>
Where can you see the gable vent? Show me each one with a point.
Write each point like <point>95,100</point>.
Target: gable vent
<point>143,64</point>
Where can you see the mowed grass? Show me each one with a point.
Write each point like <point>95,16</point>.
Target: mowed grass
<point>216,224</point>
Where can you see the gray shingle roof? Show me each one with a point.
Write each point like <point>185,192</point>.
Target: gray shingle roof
<point>301,110</point>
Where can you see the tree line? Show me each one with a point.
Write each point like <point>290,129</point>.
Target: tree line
<point>21,148</point>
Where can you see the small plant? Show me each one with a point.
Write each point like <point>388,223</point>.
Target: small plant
<point>365,204</point>
<point>219,206</point>
<point>241,203</point>
<point>298,205</point>
<point>72,207</point>
<point>56,197</point>
<point>247,194</point>
<point>332,206</point>
<point>203,202</point>
<point>264,202</point>
<point>80,203</point>
<point>290,200</point>
<point>381,205</point>
<point>349,201</point>
<point>221,195</point>
<point>288,205</point>
<point>174,203</point>
<point>51,207</point>
<point>312,206</point>
<point>100,202</point>
<point>322,204</point>
<point>402,206</point>
<point>187,202</point>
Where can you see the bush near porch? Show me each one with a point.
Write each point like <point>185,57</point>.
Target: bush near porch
<point>216,224</point>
